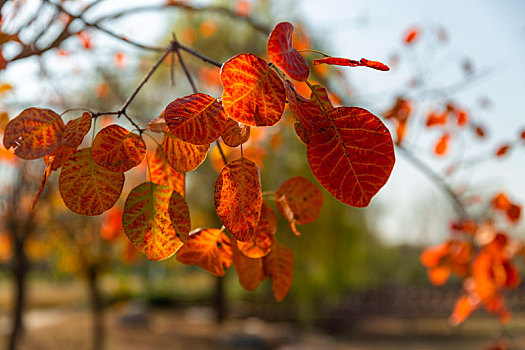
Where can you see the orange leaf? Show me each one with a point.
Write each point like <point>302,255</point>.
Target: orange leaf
<point>76,129</point>
<point>299,200</point>
<point>179,216</point>
<point>279,265</point>
<point>462,117</point>
<point>238,198</point>
<point>439,275</point>
<point>183,156</point>
<point>253,92</point>
<point>262,240</point>
<point>59,157</point>
<point>351,155</point>
<point>281,52</point>
<point>432,256</point>
<point>120,60</point>
<point>235,134</point>
<point>434,118</point>
<point>86,187</point>
<point>514,213</point>
<point>34,133</point>
<point>111,224</point>
<point>249,270</point>
<point>441,147</point>
<point>339,61</point>
<point>501,201</point>
<point>162,173</point>
<point>374,64</point>
<point>209,248</point>
<point>147,224</point>
<point>411,35</point>
<point>45,176</point>
<point>198,118</point>
<point>158,124</point>
<point>463,308</point>
<point>243,8</point>
<point>117,149</point>
<point>319,96</point>
<point>502,150</point>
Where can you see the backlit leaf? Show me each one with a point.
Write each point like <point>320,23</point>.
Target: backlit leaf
<point>238,198</point>
<point>45,176</point>
<point>299,200</point>
<point>306,112</point>
<point>34,133</point>
<point>117,149</point>
<point>338,61</point>
<point>279,265</point>
<point>179,216</point>
<point>76,129</point>
<point>158,124</point>
<point>208,248</point>
<point>86,187</point>
<point>59,157</point>
<point>262,240</point>
<point>281,52</point>
<point>198,118</point>
<point>351,155</point>
<point>147,224</point>
<point>163,174</point>
<point>235,134</point>
<point>249,270</point>
<point>183,156</point>
<point>253,92</point>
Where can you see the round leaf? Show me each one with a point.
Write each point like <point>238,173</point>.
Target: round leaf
<point>249,270</point>
<point>281,52</point>
<point>76,129</point>
<point>147,224</point>
<point>183,156</point>
<point>34,133</point>
<point>279,265</point>
<point>238,198</point>
<point>300,198</point>
<point>198,118</point>
<point>262,240</point>
<point>88,188</point>
<point>253,92</point>
<point>162,173</point>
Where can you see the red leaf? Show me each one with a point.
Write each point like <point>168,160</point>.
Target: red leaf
<point>34,133</point>
<point>463,308</point>
<point>238,198</point>
<point>279,265</point>
<point>339,61</point>
<point>351,155</point>
<point>235,134</point>
<point>87,188</point>
<point>249,270</point>
<point>281,52</point>
<point>441,147</point>
<point>198,118</point>
<point>502,150</point>
<point>76,129</point>
<point>262,240</point>
<point>162,173</point>
<point>374,64</point>
<point>253,92</point>
<point>209,248</point>
<point>59,157</point>
<point>117,149</point>
<point>183,156</point>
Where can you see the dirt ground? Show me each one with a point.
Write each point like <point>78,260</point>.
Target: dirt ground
<point>133,328</point>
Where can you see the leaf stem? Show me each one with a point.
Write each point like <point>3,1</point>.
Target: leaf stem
<point>315,51</point>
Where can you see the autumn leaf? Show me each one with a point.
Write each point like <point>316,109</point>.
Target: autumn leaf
<point>76,129</point>
<point>183,156</point>
<point>250,270</point>
<point>117,149</point>
<point>59,157</point>
<point>179,216</point>
<point>253,92</point>
<point>279,265</point>
<point>441,147</point>
<point>208,248</point>
<point>34,133</point>
<point>235,134</point>
<point>299,201</point>
<point>86,187</point>
<point>281,52</point>
<point>351,155</point>
<point>45,176</point>
<point>262,240</point>
<point>162,173</point>
<point>502,150</point>
<point>339,61</point>
<point>320,97</point>
<point>238,198</point>
<point>147,223</point>
<point>198,118</point>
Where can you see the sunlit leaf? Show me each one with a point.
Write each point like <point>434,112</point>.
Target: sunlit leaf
<point>158,124</point>
<point>198,118</point>
<point>249,270</point>
<point>235,134</point>
<point>208,248</point>
<point>183,156</point>
<point>59,157</point>
<point>117,149</point>
<point>147,224</point>
<point>179,216</point>
<point>462,309</point>
<point>279,265</point>
<point>441,147</point>
<point>253,92</point>
<point>411,35</point>
<point>281,52</point>
<point>163,174</point>
<point>34,133</point>
<point>238,198</point>
<point>262,240</point>
<point>45,176</point>
<point>76,129</point>
<point>363,62</point>
<point>86,187</point>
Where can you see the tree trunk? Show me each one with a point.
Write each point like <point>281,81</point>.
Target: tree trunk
<point>97,307</point>
<point>20,266</point>
<point>220,303</point>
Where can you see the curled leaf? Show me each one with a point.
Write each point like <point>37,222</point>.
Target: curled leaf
<point>147,224</point>
<point>250,270</point>
<point>238,198</point>
<point>208,248</point>
<point>198,118</point>
<point>253,92</point>
<point>86,187</point>
<point>279,265</point>
<point>76,129</point>
<point>117,149</point>
<point>34,133</point>
<point>281,52</point>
